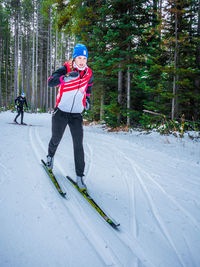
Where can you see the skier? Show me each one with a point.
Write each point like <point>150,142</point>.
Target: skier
<point>20,101</point>
<point>75,79</point>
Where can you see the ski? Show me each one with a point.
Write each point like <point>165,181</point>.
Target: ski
<point>22,124</point>
<point>85,194</point>
<point>53,178</point>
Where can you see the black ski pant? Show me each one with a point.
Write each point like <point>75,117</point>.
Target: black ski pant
<point>60,120</point>
<point>20,112</point>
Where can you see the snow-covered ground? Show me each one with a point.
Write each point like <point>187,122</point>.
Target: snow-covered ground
<point>150,184</point>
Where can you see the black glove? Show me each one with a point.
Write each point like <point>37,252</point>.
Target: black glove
<point>87,103</point>
<point>71,76</point>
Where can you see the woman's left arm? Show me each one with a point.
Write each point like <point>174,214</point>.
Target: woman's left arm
<point>89,88</point>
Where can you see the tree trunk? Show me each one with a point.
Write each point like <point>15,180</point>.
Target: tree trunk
<point>1,57</point>
<point>33,66</point>
<point>160,17</point>
<point>22,67</point>
<point>61,49</point>
<point>16,92</point>
<point>11,83</point>
<point>102,104</point>
<point>50,54</point>
<point>36,60</point>
<point>120,77</point>
<point>28,72</point>
<point>128,96</point>
<point>155,13</point>
<point>6,70</point>
<point>41,76</point>
<point>41,64</point>
<point>175,77</point>
<point>197,79</point>
<point>47,88</point>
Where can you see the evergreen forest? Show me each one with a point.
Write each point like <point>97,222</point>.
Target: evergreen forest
<point>145,56</point>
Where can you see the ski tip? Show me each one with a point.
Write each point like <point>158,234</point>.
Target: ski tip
<point>63,195</point>
<point>113,223</point>
<point>115,226</point>
<point>43,162</point>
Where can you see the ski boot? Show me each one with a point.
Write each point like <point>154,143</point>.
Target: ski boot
<point>80,183</point>
<point>49,163</point>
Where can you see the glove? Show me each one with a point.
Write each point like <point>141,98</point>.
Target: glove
<point>87,103</point>
<point>71,76</point>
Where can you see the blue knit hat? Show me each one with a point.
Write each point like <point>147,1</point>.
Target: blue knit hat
<point>80,50</point>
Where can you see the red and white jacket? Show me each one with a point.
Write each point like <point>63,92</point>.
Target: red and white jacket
<point>72,94</point>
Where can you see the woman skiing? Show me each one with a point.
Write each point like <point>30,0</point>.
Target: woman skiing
<point>75,81</point>
<point>20,101</point>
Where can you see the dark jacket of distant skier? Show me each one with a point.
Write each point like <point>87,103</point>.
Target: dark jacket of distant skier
<point>20,101</point>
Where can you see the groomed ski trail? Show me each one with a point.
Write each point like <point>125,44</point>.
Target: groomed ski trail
<point>148,183</point>
<point>75,209</point>
<point>136,176</point>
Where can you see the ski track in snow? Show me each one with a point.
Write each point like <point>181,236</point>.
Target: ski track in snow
<point>140,174</point>
<point>3,179</point>
<point>130,243</point>
<point>156,214</point>
<point>5,173</point>
<point>124,238</point>
<point>141,187</point>
<point>89,156</point>
<point>192,263</point>
<point>184,211</point>
<point>96,241</point>
<point>101,246</point>
<point>133,227</point>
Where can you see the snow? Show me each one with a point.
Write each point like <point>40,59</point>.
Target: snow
<point>148,183</point>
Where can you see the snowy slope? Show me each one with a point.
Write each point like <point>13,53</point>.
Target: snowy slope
<point>148,183</point>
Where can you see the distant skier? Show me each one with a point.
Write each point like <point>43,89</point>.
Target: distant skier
<point>20,101</point>
<point>75,79</point>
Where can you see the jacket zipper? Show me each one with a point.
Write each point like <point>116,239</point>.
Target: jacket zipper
<point>75,95</point>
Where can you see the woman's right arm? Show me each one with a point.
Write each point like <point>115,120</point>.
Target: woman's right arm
<point>57,77</point>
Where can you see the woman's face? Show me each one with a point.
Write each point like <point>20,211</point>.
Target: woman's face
<point>81,61</point>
